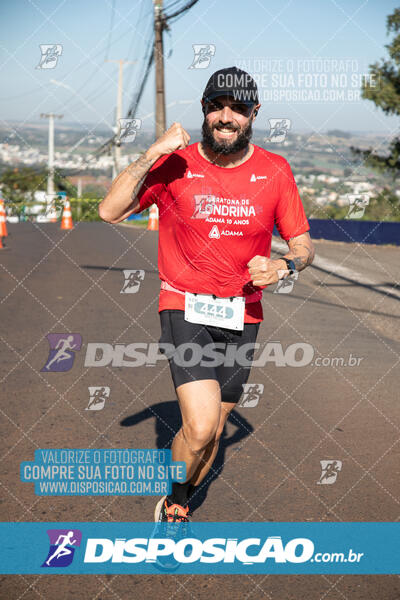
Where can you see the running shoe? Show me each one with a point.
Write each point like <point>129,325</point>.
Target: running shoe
<point>172,522</point>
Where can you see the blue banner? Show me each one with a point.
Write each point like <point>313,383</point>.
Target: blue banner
<point>362,232</point>
<point>110,472</point>
<point>209,548</point>
<point>351,231</point>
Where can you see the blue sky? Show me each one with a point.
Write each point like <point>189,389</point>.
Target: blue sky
<point>263,35</point>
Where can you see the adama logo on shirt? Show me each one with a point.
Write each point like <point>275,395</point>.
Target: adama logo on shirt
<point>190,175</point>
<point>214,233</point>
<point>254,177</point>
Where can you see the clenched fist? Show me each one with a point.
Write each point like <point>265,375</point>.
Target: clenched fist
<point>175,138</point>
<point>264,271</point>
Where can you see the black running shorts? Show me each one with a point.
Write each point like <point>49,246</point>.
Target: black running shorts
<point>206,352</point>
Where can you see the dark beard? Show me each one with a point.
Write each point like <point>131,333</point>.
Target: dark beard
<point>241,142</point>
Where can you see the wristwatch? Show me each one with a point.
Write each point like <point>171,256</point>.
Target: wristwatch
<point>290,265</point>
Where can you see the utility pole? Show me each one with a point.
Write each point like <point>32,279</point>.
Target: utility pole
<point>159,26</point>
<point>118,114</point>
<point>50,159</point>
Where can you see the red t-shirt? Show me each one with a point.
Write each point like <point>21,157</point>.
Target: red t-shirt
<point>213,220</point>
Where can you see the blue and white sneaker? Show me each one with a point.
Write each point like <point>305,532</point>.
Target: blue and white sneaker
<point>172,522</point>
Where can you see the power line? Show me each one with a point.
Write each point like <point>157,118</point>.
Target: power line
<point>180,12</point>
<point>135,36</point>
<point>133,107</point>
<point>110,30</point>
<point>148,61</point>
<point>164,19</point>
<point>91,96</point>
<point>96,70</point>
<point>24,94</point>
<point>140,49</point>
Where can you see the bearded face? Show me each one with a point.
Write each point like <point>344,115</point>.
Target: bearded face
<point>226,137</point>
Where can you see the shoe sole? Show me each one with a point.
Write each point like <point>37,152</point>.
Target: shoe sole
<point>158,508</point>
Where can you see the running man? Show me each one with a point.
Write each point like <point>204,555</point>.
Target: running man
<point>51,55</point>
<point>62,346</point>
<point>62,549</point>
<point>134,279</point>
<point>99,397</point>
<point>213,260</point>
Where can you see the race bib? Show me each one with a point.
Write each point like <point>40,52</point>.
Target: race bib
<point>220,312</point>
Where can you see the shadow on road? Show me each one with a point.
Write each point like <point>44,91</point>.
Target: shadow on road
<point>167,423</point>
<point>104,268</point>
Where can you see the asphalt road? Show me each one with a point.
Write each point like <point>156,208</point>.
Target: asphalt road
<point>346,304</point>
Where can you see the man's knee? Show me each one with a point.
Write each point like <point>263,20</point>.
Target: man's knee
<point>199,435</point>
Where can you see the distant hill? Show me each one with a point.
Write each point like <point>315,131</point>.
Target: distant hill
<point>338,133</point>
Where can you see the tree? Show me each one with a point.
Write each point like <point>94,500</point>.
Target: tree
<point>62,184</point>
<point>18,186</point>
<point>383,88</point>
<point>384,207</point>
<point>94,190</point>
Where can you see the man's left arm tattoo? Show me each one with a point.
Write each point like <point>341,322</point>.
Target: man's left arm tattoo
<point>301,253</point>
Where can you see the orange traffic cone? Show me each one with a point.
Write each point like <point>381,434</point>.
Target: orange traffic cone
<point>3,226</point>
<point>152,225</point>
<point>66,221</point>
<point>1,245</point>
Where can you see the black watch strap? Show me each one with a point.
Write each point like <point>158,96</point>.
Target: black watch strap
<point>290,265</point>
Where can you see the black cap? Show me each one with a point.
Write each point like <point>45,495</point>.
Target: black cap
<point>232,82</point>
